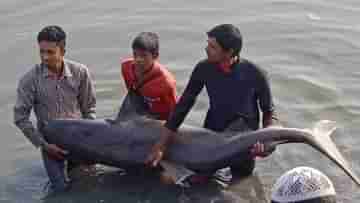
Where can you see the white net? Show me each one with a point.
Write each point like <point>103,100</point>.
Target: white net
<point>302,183</point>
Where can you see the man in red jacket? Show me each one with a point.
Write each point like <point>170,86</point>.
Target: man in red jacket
<point>147,77</point>
<point>144,75</point>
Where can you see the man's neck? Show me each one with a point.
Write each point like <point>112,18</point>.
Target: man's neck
<point>234,60</point>
<point>58,69</point>
<point>226,64</point>
<point>140,74</point>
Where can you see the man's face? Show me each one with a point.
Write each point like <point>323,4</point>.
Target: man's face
<point>143,59</point>
<point>50,53</point>
<point>214,51</point>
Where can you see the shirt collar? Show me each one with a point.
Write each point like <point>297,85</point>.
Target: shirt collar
<point>66,71</point>
<point>151,71</point>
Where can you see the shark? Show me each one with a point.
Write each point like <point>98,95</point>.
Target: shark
<point>126,141</point>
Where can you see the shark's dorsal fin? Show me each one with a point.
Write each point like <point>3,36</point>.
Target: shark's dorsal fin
<point>133,106</point>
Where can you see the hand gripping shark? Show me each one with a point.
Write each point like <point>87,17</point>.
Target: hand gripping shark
<point>126,141</point>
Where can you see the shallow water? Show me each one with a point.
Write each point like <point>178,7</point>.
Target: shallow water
<point>310,50</point>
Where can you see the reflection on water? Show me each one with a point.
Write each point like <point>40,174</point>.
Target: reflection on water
<point>249,189</point>
<point>113,186</point>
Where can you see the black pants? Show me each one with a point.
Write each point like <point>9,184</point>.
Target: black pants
<point>243,169</point>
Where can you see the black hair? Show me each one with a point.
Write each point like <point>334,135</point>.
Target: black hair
<point>52,33</point>
<point>147,41</point>
<point>325,199</point>
<point>228,36</point>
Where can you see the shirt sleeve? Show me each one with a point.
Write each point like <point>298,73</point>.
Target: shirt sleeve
<point>167,102</point>
<point>25,99</point>
<point>264,93</point>
<point>187,100</point>
<point>125,73</point>
<point>87,97</point>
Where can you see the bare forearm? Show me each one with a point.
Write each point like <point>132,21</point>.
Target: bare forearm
<point>160,148</point>
<point>269,118</point>
<point>166,139</point>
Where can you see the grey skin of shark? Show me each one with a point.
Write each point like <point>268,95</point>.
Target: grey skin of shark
<point>126,141</point>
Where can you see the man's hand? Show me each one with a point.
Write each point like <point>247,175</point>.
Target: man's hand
<point>55,152</point>
<point>158,150</point>
<point>156,154</point>
<point>262,150</point>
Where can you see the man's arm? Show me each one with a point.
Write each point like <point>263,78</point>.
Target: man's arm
<point>166,103</point>
<point>268,118</point>
<point>22,110</point>
<point>25,100</point>
<point>187,99</point>
<point>268,109</point>
<point>125,69</point>
<point>265,99</point>
<point>182,108</point>
<point>260,149</point>
<point>87,97</point>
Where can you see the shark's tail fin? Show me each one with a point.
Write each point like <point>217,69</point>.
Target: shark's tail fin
<point>322,132</point>
<point>324,128</point>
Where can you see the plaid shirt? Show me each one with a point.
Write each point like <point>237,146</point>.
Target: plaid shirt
<point>70,96</point>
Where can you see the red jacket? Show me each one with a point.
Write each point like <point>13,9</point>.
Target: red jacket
<point>159,89</point>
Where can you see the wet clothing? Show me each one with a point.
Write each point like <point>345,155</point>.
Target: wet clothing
<point>72,95</point>
<point>240,93</point>
<point>158,87</point>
